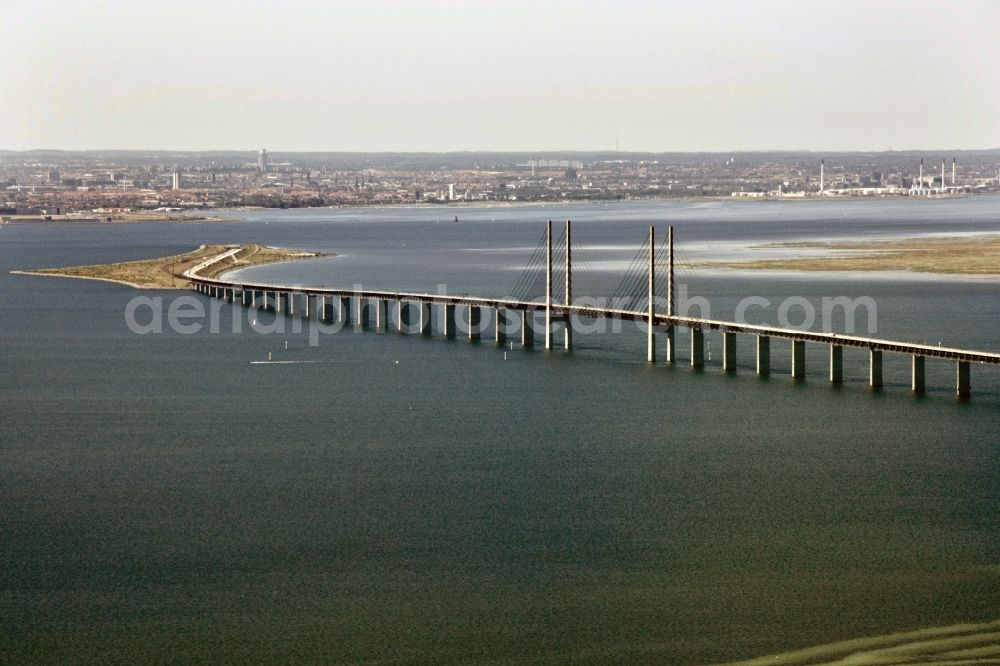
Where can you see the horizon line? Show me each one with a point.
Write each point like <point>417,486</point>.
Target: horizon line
<point>501,152</point>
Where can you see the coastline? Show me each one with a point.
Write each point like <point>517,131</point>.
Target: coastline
<point>218,214</point>
<point>963,256</point>
<point>168,273</point>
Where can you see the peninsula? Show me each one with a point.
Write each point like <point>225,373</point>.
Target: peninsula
<point>168,272</point>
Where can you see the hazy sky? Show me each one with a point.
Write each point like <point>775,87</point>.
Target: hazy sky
<point>449,75</point>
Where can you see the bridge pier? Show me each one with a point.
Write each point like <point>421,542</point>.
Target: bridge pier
<point>474,318</point>
<point>381,315</point>
<point>307,306</point>
<point>671,345</point>
<point>763,355</point>
<point>697,348</point>
<point>364,313</point>
<point>344,310</point>
<point>325,309</point>
<point>963,388</point>
<point>527,329</point>
<point>425,318</point>
<point>500,326</point>
<point>291,304</point>
<point>917,381</point>
<point>836,364</point>
<point>875,368</point>
<point>728,351</point>
<point>402,317</point>
<point>449,320</point>
<point>568,332</point>
<point>798,359</point>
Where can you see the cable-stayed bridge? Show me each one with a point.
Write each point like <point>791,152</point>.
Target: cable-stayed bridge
<point>543,303</point>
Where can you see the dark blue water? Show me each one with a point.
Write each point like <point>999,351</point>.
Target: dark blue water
<point>426,501</point>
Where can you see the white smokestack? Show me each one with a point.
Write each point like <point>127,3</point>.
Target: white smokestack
<point>821,165</point>
<point>953,171</point>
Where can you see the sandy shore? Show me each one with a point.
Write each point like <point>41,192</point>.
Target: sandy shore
<point>966,255</point>
<point>167,272</point>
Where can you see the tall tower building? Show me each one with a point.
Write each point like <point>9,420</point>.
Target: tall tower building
<point>177,180</point>
<point>262,160</point>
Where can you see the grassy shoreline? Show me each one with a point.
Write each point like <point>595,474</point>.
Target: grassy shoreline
<point>967,255</point>
<point>168,272</point>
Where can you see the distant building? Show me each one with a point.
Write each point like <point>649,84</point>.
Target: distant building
<point>262,160</point>
<point>177,181</point>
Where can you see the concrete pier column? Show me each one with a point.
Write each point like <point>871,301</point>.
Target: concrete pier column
<point>425,318</point>
<point>344,310</point>
<point>763,355</point>
<point>875,368</point>
<point>836,364</point>
<point>291,304</point>
<point>798,359</point>
<point>253,299</point>
<point>697,348</point>
<point>963,388</point>
<point>650,299</point>
<point>548,286</point>
<point>307,306</point>
<point>326,311</point>
<point>671,345</point>
<point>279,298</point>
<point>244,298</point>
<point>500,326</point>
<point>402,316</point>
<point>527,329</point>
<point>917,381</point>
<point>449,320</point>
<point>568,296</point>
<point>729,351</point>
<point>381,315</point>
<point>365,313</point>
<point>475,315</point>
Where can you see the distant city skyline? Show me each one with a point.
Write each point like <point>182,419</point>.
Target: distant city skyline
<point>446,75</point>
